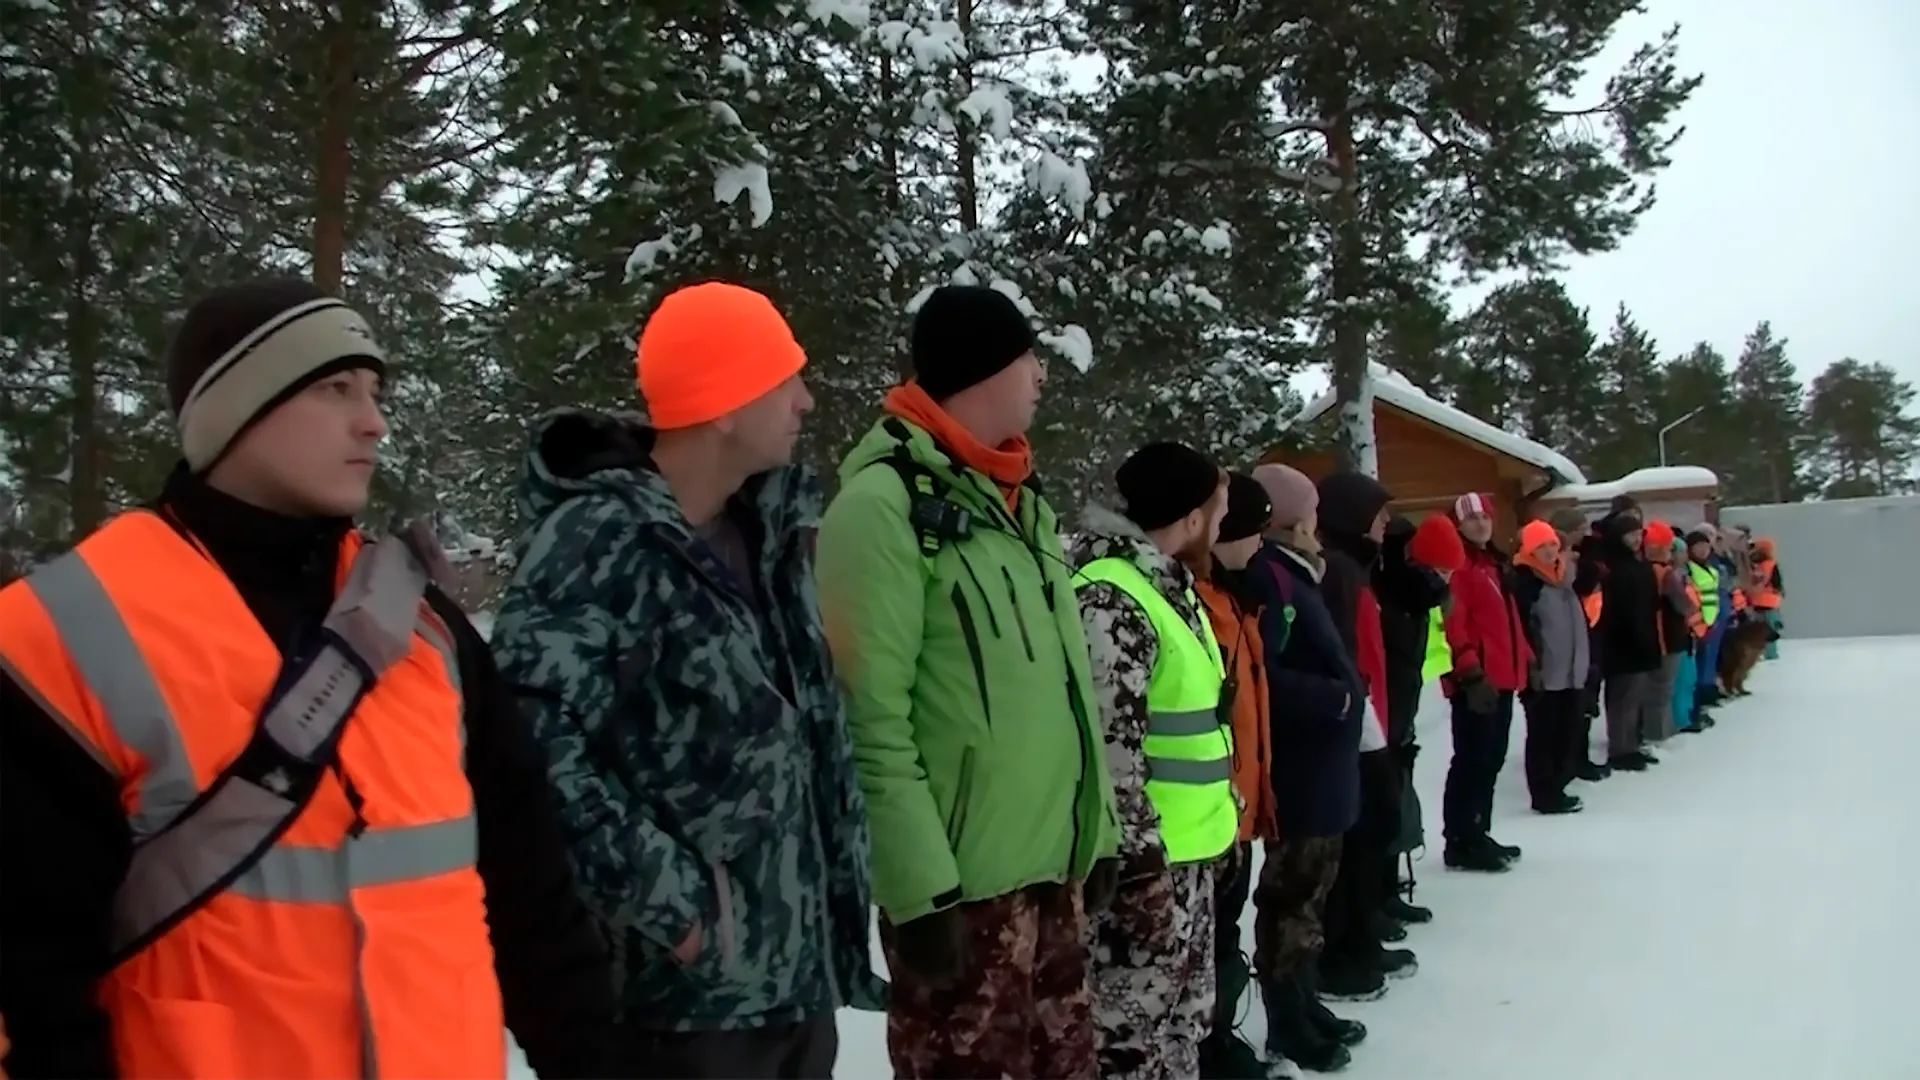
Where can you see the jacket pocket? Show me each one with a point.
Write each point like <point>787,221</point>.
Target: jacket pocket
<point>174,1037</point>
<point>726,932</point>
<point>970,632</point>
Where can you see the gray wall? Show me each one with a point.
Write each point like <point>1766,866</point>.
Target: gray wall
<point>1848,565</point>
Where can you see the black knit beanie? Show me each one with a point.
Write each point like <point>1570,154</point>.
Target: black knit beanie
<point>1248,508</point>
<point>244,349</point>
<point>1162,482</point>
<point>964,335</point>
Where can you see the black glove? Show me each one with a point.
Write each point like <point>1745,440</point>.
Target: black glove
<point>1477,692</point>
<point>934,947</point>
<point>1406,754</point>
<point>1102,882</point>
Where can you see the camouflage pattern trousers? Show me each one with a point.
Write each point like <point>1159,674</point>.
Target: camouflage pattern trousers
<point>1153,978</point>
<point>1023,1011</point>
<point>1290,903</point>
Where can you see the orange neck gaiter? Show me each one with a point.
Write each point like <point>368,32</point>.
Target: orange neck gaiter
<point>1007,465</point>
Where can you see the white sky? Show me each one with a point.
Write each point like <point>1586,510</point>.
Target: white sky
<point>1792,196</point>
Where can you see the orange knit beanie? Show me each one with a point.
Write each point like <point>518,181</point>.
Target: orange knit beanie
<point>710,348</point>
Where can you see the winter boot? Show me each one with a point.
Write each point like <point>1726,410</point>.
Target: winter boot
<point>1564,804</point>
<point>1343,979</point>
<point>1398,963</point>
<point>1509,852</point>
<point>1627,763</point>
<point>1291,1035</point>
<point>1591,772</point>
<point>1224,1055</point>
<point>1280,1067</point>
<point>1474,855</point>
<point>1387,929</point>
<point>1403,911</point>
<point>1344,1032</point>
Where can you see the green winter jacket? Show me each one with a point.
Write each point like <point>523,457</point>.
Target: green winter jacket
<point>968,692</point>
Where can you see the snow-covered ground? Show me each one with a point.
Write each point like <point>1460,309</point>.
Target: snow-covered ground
<point>1738,911</point>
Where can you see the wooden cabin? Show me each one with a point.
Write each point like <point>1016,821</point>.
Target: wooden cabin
<point>1430,454</point>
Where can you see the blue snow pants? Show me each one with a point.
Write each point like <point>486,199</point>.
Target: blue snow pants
<point>1684,686</point>
<point>1773,647</point>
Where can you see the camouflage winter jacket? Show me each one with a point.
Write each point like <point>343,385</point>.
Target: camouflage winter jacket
<point>699,753</point>
<point>1124,647</point>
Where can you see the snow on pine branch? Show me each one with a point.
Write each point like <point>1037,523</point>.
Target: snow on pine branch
<point>748,178</point>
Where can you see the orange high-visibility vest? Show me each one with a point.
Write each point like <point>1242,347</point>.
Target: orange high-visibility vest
<point>1696,622</point>
<point>1765,596</point>
<point>336,955</point>
<point>1591,604</point>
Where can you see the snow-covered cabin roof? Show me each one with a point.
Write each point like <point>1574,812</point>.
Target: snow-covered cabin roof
<point>1640,482</point>
<point>1393,388</point>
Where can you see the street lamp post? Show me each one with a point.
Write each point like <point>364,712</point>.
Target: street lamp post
<point>1670,427</point>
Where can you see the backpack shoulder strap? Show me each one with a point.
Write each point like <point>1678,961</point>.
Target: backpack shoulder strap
<point>237,820</point>
<point>934,517</point>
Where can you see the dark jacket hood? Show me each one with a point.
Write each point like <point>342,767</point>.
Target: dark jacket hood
<point>577,453</point>
<point>1348,504</point>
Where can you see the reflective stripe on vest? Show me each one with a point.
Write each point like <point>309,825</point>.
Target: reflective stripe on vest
<point>106,639</point>
<point>1189,745</point>
<point>1439,658</point>
<point>1707,581</point>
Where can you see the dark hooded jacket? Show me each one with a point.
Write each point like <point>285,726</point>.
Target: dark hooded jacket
<point>693,732</point>
<point>1629,629</point>
<point>1408,593</point>
<point>1314,695</point>
<point>1348,504</point>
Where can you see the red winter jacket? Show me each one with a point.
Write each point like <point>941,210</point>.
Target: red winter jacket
<point>1370,645</point>
<point>1484,626</point>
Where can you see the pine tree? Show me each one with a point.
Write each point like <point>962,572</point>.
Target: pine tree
<point>98,241</point>
<point>1528,365</point>
<point>1625,429</point>
<point>1768,404</point>
<point>1446,126</point>
<point>1697,384</point>
<point>1864,438</point>
<point>1182,269</point>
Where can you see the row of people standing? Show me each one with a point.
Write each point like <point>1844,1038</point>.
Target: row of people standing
<point>273,806</point>
<point>1678,620</point>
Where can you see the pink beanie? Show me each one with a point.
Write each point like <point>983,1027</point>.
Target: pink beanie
<point>1292,494</point>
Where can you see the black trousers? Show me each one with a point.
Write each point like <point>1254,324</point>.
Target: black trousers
<point>1479,750</point>
<point>803,1051</point>
<point>1232,884</point>
<point>1358,889</point>
<point>1556,742</point>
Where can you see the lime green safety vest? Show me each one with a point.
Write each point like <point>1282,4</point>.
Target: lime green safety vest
<point>1189,748</point>
<point>1439,659</point>
<point>1707,580</point>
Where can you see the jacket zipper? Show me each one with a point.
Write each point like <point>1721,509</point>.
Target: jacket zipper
<point>962,796</point>
<point>1083,722</point>
<point>771,677</point>
<point>993,622</point>
<point>964,612</point>
<point>1019,618</point>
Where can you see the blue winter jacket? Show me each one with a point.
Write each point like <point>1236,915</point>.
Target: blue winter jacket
<point>1318,700</point>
